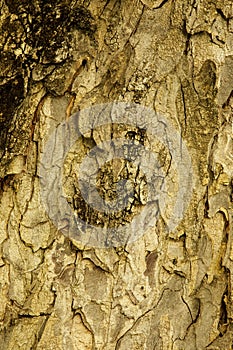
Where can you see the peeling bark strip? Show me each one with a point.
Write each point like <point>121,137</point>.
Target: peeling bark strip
<point>166,290</point>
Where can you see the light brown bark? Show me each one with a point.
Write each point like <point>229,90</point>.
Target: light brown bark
<point>168,289</point>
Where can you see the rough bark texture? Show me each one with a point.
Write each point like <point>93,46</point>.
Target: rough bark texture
<point>167,290</point>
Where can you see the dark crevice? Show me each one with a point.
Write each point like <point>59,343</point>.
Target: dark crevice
<point>220,12</point>
<point>161,5</point>
<point>223,321</point>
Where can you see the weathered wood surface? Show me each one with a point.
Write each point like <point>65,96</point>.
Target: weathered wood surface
<point>167,290</point>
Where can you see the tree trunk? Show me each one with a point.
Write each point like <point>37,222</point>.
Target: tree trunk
<point>138,253</point>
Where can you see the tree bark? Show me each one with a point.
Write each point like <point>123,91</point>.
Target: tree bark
<point>171,287</point>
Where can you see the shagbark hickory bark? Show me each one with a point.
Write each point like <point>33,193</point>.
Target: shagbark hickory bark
<point>168,289</point>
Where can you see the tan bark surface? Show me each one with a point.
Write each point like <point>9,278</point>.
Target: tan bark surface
<point>170,289</point>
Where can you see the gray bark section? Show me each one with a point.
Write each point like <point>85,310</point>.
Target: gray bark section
<point>167,290</point>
